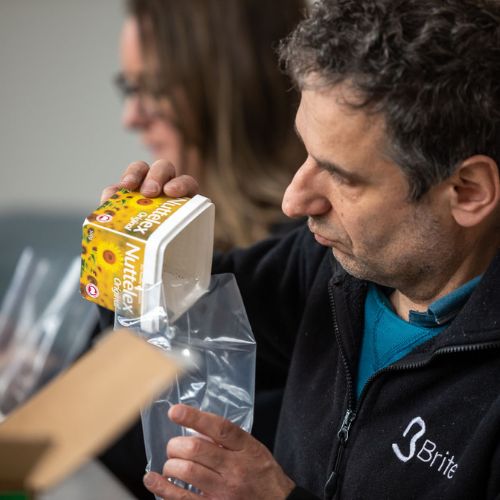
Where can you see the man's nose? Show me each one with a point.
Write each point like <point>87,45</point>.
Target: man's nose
<point>305,195</point>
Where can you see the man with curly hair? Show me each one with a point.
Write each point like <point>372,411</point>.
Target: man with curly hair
<point>388,330</point>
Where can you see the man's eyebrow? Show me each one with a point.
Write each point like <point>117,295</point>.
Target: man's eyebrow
<point>330,166</point>
<point>334,168</point>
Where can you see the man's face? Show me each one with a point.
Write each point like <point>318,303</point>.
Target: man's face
<point>356,198</point>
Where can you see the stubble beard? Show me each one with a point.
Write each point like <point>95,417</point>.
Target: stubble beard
<point>413,266</point>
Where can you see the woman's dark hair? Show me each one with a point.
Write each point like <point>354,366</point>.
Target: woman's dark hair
<point>216,61</point>
<point>431,67</point>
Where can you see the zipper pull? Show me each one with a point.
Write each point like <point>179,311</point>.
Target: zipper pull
<point>343,433</point>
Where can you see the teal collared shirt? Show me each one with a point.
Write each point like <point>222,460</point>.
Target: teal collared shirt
<point>388,338</point>
<point>443,310</point>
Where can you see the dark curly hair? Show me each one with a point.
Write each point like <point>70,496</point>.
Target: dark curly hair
<point>431,67</point>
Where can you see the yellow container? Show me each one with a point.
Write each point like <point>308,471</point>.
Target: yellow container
<point>132,243</point>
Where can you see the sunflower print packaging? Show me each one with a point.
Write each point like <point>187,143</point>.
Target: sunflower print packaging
<point>132,245</point>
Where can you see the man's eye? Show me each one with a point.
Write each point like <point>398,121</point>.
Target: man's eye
<point>336,176</point>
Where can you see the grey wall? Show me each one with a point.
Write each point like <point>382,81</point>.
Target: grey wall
<point>61,139</point>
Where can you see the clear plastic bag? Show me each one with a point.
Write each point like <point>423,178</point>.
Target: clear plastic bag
<point>215,339</point>
<point>44,326</point>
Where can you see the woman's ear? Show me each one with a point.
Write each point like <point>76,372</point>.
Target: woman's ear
<point>475,190</point>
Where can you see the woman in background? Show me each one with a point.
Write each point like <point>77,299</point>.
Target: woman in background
<point>203,89</point>
<point>202,86</point>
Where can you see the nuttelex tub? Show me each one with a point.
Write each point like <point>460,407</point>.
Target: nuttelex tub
<point>133,245</point>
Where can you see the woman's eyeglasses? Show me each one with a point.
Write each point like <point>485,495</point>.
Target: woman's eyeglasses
<point>128,90</point>
<point>150,102</point>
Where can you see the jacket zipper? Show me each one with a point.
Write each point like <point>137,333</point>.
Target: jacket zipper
<point>350,415</point>
<point>343,435</point>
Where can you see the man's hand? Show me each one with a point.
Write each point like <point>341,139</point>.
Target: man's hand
<point>232,465</point>
<point>153,181</point>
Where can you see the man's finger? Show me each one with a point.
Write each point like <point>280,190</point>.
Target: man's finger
<point>162,487</point>
<point>219,429</point>
<point>198,449</point>
<point>159,174</point>
<point>134,175</point>
<point>108,192</point>
<point>193,473</point>
<point>184,185</point>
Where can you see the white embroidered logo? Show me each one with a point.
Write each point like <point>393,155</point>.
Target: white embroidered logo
<point>428,452</point>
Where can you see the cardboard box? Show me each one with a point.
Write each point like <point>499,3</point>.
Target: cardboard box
<point>81,412</point>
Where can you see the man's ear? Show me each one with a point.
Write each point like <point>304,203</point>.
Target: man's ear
<point>476,190</point>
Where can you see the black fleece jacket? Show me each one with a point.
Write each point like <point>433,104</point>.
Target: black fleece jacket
<point>427,426</point>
